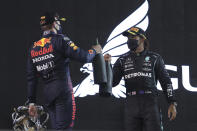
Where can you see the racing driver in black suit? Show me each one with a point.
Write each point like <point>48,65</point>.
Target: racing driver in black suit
<point>141,69</point>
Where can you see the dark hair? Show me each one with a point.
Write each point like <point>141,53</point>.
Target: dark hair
<point>146,44</point>
<point>46,27</point>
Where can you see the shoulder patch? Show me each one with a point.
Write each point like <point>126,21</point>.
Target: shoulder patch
<point>66,38</point>
<point>91,51</point>
<point>75,47</point>
<point>72,45</point>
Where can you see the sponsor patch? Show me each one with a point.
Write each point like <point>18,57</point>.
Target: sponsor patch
<point>42,58</point>
<point>45,66</point>
<point>75,48</point>
<point>72,45</point>
<point>147,64</point>
<point>128,65</point>
<point>42,42</point>
<point>42,17</point>
<point>138,74</point>
<point>42,51</point>
<point>146,69</point>
<point>169,90</point>
<point>90,51</point>
<point>128,60</point>
<point>147,59</point>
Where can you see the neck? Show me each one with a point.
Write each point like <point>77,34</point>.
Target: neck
<point>54,30</point>
<point>50,30</point>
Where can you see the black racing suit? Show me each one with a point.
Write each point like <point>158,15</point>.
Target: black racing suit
<point>49,59</point>
<point>141,73</point>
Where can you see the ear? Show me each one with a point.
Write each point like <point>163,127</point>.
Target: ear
<point>54,23</point>
<point>142,39</point>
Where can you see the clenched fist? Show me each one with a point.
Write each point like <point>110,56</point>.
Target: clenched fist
<point>97,48</point>
<point>172,112</point>
<point>107,57</point>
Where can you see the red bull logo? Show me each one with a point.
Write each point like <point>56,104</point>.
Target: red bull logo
<point>42,42</point>
<point>73,46</point>
<point>42,51</point>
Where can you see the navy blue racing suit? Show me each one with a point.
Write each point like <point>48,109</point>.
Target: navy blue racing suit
<point>48,58</point>
<point>141,72</point>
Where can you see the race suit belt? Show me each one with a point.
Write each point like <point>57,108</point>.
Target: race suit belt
<point>52,75</point>
<point>140,92</point>
<point>47,75</point>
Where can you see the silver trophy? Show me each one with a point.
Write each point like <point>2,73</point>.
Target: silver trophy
<point>22,121</point>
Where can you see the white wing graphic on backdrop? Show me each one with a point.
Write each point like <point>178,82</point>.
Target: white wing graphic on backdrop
<point>114,46</point>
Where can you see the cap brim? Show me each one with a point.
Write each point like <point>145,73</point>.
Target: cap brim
<point>127,33</point>
<point>62,19</point>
